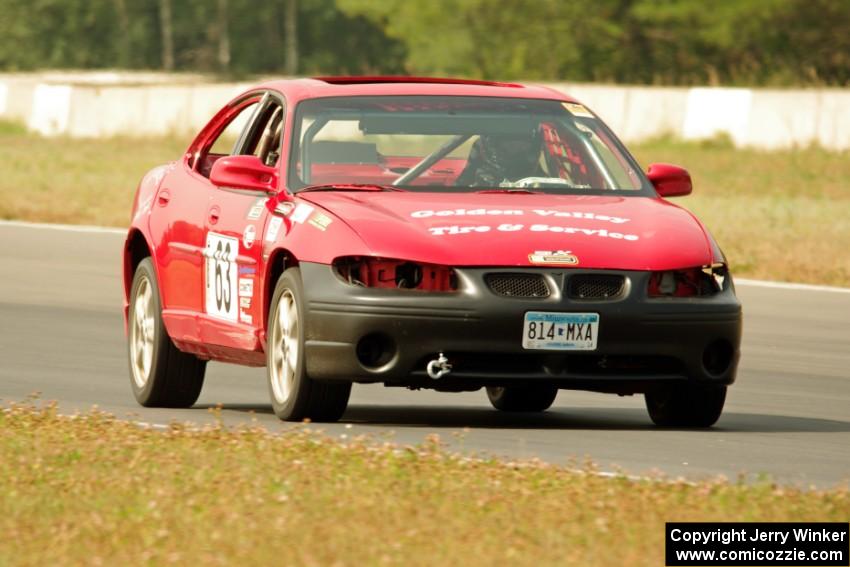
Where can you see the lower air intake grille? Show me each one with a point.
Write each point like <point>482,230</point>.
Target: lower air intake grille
<point>517,285</point>
<point>588,286</point>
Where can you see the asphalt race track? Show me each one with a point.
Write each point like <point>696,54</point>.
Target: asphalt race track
<point>61,334</point>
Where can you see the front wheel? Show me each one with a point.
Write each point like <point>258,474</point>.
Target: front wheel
<point>160,374</point>
<point>294,395</point>
<point>522,398</point>
<point>686,405</point>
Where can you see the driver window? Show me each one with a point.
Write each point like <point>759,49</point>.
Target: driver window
<point>226,141</point>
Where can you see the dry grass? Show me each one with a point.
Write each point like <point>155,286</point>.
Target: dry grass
<point>76,181</point>
<point>777,215</point>
<point>99,491</point>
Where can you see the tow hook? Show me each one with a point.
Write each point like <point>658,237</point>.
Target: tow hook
<point>438,367</point>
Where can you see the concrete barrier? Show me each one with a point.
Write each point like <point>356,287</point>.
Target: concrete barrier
<point>654,111</point>
<point>711,112</point>
<point>155,104</point>
<point>634,113</point>
<point>19,93</point>
<point>51,107</point>
<point>152,110</point>
<point>833,121</point>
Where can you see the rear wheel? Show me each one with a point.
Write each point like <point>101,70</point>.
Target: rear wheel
<point>686,405</point>
<point>160,374</point>
<point>294,395</point>
<point>522,398</point>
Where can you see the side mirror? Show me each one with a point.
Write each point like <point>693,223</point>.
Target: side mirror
<point>243,172</point>
<point>670,180</point>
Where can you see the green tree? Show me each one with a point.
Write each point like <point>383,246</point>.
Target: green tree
<point>631,41</point>
<point>680,42</point>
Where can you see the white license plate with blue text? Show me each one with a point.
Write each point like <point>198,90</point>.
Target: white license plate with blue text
<point>560,331</point>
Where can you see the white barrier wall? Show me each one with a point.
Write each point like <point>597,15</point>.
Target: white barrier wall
<point>634,113</point>
<point>79,111</point>
<point>761,118</point>
<point>149,105</point>
<point>145,111</point>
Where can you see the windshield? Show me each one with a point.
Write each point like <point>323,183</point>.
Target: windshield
<point>458,144</point>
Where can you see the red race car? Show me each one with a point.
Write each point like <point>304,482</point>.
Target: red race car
<point>424,233</point>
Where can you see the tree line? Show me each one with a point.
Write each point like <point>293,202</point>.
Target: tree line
<point>675,42</point>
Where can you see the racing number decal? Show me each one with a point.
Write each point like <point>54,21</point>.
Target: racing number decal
<point>220,276</point>
<point>222,283</point>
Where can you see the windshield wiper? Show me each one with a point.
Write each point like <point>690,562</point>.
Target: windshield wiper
<point>349,187</point>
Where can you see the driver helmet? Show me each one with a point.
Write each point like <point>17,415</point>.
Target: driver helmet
<point>515,153</point>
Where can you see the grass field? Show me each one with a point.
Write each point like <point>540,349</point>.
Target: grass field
<point>777,215</point>
<point>781,215</point>
<point>99,491</point>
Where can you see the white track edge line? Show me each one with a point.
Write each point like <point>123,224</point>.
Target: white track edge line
<point>65,227</point>
<point>787,285</point>
<point>107,230</point>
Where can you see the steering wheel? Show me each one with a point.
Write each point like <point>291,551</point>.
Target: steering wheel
<point>531,182</point>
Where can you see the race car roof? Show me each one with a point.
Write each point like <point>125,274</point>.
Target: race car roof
<point>321,87</point>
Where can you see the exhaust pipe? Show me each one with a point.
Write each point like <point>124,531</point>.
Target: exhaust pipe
<point>438,367</point>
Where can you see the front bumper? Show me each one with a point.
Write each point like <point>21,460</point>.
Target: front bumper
<point>375,335</point>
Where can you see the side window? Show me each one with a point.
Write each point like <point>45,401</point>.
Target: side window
<point>225,143</point>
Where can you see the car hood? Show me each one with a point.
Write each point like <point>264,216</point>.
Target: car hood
<point>508,229</point>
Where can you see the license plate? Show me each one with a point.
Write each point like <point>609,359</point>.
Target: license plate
<point>560,331</point>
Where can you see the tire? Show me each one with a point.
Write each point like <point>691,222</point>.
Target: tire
<point>160,374</point>
<point>522,398</point>
<point>293,394</point>
<point>686,405</point>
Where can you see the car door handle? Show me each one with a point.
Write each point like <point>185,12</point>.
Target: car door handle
<point>214,213</point>
<point>163,197</point>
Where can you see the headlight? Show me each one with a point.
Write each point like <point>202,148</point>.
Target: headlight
<point>369,271</point>
<point>692,282</point>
